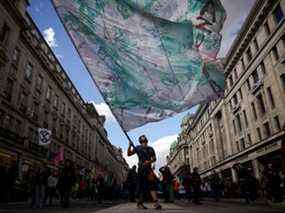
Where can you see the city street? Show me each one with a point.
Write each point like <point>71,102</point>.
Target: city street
<point>182,207</point>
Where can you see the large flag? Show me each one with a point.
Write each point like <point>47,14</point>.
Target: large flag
<point>149,58</point>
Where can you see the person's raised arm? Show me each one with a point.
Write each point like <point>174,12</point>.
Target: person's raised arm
<point>131,151</point>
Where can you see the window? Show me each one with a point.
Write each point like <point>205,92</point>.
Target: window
<point>266,28</point>
<point>19,126</point>
<point>2,115</point>
<point>31,135</point>
<point>249,140</point>
<point>248,84</point>
<point>235,74</point>
<point>262,68</point>
<point>278,14</point>
<point>261,104</point>
<point>63,109</point>
<point>270,97</point>
<point>275,53</point>
<point>258,133</point>
<point>242,144</point>
<point>242,64</point>
<point>8,122</point>
<point>239,122</point>
<point>39,82</point>
<point>4,33</point>
<point>267,131</point>
<point>253,110</point>
<point>240,94</point>
<point>255,44</point>
<point>48,94</point>
<point>230,81</point>
<point>249,54</point>
<point>235,99</point>
<point>277,123</point>
<point>245,118</point>
<point>282,78</point>
<point>255,76</point>
<point>16,57</point>
<point>9,89</point>
<point>55,102</point>
<point>238,146</point>
<point>29,72</point>
<point>22,101</point>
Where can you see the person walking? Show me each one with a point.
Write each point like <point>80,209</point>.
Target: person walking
<point>67,181</point>
<point>196,184</point>
<point>186,181</point>
<point>51,187</point>
<point>167,186</point>
<point>100,185</point>
<point>131,183</point>
<point>147,180</point>
<point>216,186</point>
<point>39,180</point>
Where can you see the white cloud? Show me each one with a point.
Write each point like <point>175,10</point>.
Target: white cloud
<point>237,12</point>
<point>59,56</point>
<point>49,36</point>
<point>161,147</point>
<point>103,109</point>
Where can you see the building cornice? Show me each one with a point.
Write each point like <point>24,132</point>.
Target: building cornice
<point>256,16</point>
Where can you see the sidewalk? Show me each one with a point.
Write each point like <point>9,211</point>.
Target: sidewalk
<point>260,202</point>
<point>132,208</point>
<point>77,203</point>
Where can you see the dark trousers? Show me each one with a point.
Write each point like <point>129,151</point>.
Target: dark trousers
<point>142,187</point>
<point>51,191</point>
<point>188,194</point>
<point>196,194</point>
<point>66,196</point>
<point>132,192</point>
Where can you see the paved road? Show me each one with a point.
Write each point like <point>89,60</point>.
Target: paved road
<point>182,207</point>
<point>207,207</point>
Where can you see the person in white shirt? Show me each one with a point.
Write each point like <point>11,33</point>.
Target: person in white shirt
<point>51,186</point>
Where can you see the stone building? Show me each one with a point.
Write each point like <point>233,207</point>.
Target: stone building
<point>178,157</point>
<point>35,92</point>
<point>247,125</point>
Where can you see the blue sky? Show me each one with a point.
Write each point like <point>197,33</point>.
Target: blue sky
<point>160,134</point>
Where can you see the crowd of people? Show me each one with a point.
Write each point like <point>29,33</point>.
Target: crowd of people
<point>190,186</point>
<point>44,186</point>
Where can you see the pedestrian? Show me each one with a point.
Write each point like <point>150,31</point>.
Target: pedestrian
<point>131,183</point>
<point>186,181</point>
<point>147,180</point>
<point>100,186</point>
<point>196,185</point>
<point>167,186</point>
<point>216,186</point>
<point>11,175</point>
<point>273,184</point>
<point>3,182</point>
<point>51,187</point>
<point>67,181</point>
<point>39,181</point>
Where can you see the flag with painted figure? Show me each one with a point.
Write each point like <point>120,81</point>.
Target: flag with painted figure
<point>44,136</point>
<point>150,59</point>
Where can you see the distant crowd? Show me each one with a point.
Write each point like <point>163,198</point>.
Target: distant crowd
<point>42,186</point>
<point>46,187</point>
<point>190,186</point>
